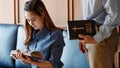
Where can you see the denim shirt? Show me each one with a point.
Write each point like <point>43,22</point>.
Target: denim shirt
<point>50,44</point>
<point>105,12</point>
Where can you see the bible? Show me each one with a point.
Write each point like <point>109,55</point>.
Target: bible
<point>85,27</point>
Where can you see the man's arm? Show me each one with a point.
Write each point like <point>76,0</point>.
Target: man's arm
<point>105,30</point>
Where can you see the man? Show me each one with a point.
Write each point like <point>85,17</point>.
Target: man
<point>101,48</point>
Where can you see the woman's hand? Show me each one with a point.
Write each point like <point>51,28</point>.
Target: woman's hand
<point>27,59</point>
<point>15,54</point>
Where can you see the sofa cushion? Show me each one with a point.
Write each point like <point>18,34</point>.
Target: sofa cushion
<point>8,36</point>
<point>72,57</point>
<point>12,37</point>
<point>20,45</point>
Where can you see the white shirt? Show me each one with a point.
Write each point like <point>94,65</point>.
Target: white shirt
<point>105,12</point>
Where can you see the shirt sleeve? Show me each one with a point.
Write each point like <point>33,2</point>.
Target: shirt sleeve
<point>56,52</point>
<point>105,30</point>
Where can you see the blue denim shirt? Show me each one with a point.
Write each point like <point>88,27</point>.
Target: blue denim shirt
<point>105,12</point>
<point>50,44</point>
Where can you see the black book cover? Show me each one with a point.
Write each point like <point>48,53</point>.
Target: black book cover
<point>85,27</point>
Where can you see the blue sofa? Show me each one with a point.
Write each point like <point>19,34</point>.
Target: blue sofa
<point>12,37</point>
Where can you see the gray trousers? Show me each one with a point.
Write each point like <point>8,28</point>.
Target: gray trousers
<point>101,55</point>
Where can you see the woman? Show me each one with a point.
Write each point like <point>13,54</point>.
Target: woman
<point>41,35</point>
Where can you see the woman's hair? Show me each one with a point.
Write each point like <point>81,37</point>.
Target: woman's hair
<point>37,7</point>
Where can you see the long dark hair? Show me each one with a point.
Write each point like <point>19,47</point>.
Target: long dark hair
<point>37,7</point>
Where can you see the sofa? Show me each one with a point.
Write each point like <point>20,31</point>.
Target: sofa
<point>12,37</point>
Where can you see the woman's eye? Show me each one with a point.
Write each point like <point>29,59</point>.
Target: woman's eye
<point>33,20</point>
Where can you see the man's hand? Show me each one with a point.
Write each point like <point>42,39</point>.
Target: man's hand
<point>81,47</point>
<point>86,40</point>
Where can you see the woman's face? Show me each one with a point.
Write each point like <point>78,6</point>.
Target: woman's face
<point>34,20</point>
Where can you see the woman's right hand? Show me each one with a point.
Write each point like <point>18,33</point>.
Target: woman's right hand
<point>16,54</point>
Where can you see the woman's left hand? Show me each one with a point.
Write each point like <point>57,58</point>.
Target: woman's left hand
<point>26,59</point>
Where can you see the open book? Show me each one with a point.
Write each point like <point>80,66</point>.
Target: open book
<point>35,55</point>
<point>85,27</point>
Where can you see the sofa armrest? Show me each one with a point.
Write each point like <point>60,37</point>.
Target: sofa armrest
<point>8,36</point>
<point>72,57</point>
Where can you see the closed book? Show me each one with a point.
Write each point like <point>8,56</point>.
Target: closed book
<point>85,27</point>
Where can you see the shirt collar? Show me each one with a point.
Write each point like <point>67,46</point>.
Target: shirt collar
<point>42,34</point>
